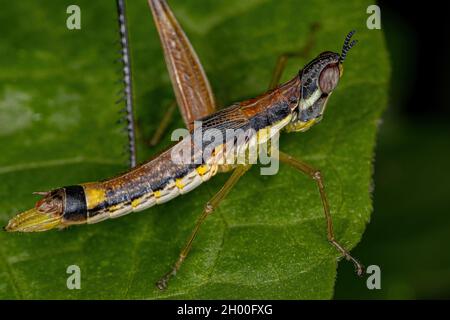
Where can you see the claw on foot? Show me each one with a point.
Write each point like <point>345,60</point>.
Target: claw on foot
<point>359,268</point>
<point>164,281</point>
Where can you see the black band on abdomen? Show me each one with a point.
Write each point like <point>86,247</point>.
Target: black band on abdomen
<point>75,207</point>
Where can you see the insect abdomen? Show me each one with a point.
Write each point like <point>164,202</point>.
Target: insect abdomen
<point>112,199</point>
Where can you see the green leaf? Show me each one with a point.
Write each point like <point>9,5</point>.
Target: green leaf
<point>268,238</point>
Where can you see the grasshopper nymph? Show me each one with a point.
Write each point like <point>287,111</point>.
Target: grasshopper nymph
<point>296,105</point>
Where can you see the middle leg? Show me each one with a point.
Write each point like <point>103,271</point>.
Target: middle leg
<point>210,206</point>
<point>317,177</point>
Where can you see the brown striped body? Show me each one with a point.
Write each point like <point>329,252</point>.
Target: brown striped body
<point>160,179</point>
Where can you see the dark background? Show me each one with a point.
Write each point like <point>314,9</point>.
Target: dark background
<point>409,234</point>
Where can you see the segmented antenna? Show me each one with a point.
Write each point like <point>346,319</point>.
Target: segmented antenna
<point>347,45</point>
<point>127,80</point>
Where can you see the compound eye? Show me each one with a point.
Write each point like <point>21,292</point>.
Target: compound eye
<point>329,78</point>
